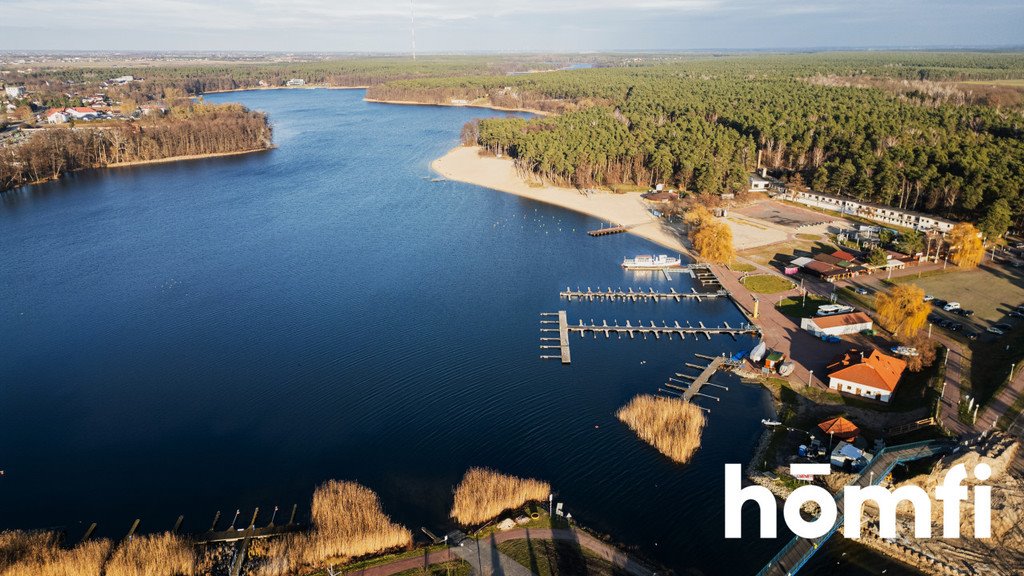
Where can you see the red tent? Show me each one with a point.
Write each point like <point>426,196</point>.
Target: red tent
<point>840,428</point>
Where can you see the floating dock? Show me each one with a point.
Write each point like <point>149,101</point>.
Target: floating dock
<point>632,330</point>
<point>639,295</point>
<point>607,231</point>
<point>547,342</point>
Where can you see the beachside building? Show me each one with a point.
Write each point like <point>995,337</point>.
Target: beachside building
<point>868,375</point>
<point>295,82</point>
<point>838,325</point>
<point>872,211</point>
<point>14,91</point>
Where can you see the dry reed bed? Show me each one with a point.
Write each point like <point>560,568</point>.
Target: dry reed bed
<point>483,494</point>
<point>348,522</point>
<point>38,554</point>
<point>671,425</point>
<point>153,555</point>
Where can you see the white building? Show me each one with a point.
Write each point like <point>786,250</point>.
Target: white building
<point>837,325</point>
<point>295,82</point>
<point>759,184</point>
<point>56,116</point>
<point>873,375</point>
<point>14,91</point>
<point>871,211</point>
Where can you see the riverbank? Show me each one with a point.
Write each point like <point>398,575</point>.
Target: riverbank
<point>465,164</point>
<point>467,105</point>
<point>303,87</point>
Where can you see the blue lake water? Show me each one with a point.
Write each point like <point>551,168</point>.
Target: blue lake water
<point>228,333</point>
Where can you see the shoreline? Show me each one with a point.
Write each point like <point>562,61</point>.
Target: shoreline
<point>482,106</point>
<point>464,164</point>
<point>167,160</point>
<point>303,87</point>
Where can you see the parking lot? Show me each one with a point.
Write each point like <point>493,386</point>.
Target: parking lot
<point>781,214</point>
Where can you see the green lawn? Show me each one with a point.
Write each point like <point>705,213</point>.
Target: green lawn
<point>557,558</point>
<point>767,284</point>
<point>451,568</point>
<point>795,307</point>
<point>737,266</point>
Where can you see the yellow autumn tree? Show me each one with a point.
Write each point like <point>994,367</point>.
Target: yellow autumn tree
<point>965,245</point>
<point>711,239</point>
<point>902,310</point>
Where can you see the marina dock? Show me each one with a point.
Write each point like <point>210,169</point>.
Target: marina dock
<point>639,295</point>
<point>665,329</point>
<point>548,342</point>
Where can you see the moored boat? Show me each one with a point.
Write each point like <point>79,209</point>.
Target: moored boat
<point>646,261</point>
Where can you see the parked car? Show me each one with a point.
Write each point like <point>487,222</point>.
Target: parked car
<point>862,291</point>
<point>1003,326</point>
<point>938,302</point>
<point>1016,314</point>
<point>934,318</point>
<point>950,306</point>
<point>956,326</point>
<point>965,313</point>
<point>971,335</point>
<point>994,330</point>
<point>928,297</point>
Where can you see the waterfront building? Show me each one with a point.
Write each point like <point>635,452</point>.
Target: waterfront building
<point>838,325</point>
<point>868,375</point>
<point>872,211</point>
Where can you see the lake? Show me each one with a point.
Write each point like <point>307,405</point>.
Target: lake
<point>228,333</point>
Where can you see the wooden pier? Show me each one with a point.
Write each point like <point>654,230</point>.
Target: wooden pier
<point>632,330</point>
<point>547,342</point>
<point>639,295</point>
<point>607,231</point>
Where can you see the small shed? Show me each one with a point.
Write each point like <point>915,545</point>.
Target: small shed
<point>774,359</point>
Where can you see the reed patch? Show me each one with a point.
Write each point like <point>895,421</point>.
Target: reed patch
<point>483,494</point>
<point>671,425</point>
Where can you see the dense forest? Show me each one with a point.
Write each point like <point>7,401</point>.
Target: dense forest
<point>162,80</point>
<point>192,130</point>
<point>910,130</point>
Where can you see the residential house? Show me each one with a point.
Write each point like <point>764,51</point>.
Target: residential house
<point>295,82</point>
<point>55,116</point>
<point>14,91</point>
<point>868,375</point>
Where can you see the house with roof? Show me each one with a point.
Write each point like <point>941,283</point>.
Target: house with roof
<point>55,116</point>
<point>82,113</point>
<point>867,375</point>
<point>837,325</point>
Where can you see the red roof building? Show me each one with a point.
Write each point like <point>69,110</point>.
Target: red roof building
<point>868,375</point>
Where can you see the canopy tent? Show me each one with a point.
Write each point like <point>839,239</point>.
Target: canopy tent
<point>840,428</point>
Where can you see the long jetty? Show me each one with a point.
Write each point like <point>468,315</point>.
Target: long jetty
<point>640,295</point>
<point>664,330</point>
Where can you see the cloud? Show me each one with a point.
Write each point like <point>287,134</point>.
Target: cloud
<point>375,25</point>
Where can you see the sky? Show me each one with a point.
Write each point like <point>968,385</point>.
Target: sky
<point>516,25</point>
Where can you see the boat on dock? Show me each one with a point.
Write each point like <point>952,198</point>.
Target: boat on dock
<point>648,262</point>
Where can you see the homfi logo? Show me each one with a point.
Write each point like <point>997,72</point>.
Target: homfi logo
<point>951,493</point>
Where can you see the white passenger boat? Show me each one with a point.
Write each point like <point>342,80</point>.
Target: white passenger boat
<point>646,261</point>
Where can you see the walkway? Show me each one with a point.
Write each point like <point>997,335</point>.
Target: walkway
<point>798,551</point>
<point>485,558</point>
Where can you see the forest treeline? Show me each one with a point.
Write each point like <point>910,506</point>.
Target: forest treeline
<point>51,84</point>
<point>833,122</point>
<point>193,130</point>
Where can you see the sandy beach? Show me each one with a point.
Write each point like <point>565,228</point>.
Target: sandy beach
<point>464,164</point>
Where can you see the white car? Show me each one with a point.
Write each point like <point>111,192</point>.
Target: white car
<point>928,297</point>
<point>994,330</point>
<point>951,306</point>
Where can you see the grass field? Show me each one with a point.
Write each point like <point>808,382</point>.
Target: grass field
<point>1014,82</point>
<point>767,284</point>
<point>737,266</point>
<point>557,558</point>
<point>797,308</point>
